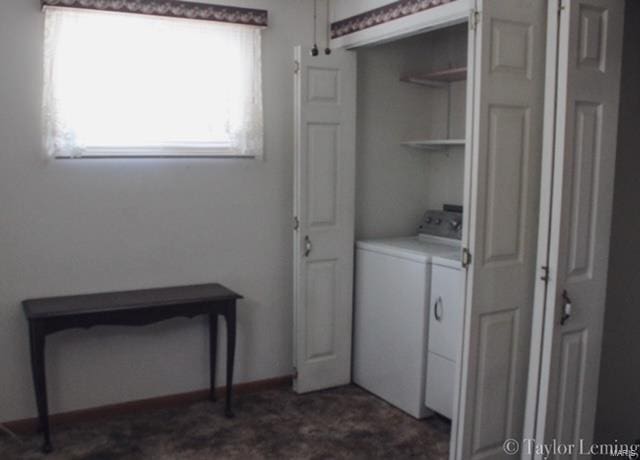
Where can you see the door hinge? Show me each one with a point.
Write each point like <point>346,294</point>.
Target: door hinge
<point>296,223</point>
<point>466,258</point>
<point>296,67</point>
<point>474,19</point>
<point>545,273</point>
<point>561,7</point>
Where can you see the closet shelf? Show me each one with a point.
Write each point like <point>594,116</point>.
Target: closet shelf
<point>437,144</point>
<point>438,78</point>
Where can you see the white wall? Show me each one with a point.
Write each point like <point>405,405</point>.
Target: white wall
<point>75,226</point>
<point>342,9</point>
<point>396,184</point>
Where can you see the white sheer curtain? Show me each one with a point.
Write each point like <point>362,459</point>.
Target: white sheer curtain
<point>123,84</point>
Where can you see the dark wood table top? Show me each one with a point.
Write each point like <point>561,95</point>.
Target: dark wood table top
<point>126,300</point>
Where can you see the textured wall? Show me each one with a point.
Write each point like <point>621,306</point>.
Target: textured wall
<point>95,225</point>
<point>341,9</point>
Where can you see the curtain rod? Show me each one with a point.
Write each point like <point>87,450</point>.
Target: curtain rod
<point>172,8</point>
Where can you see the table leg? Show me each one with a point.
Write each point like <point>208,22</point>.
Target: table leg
<point>37,340</point>
<point>213,353</point>
<point>230,316</point>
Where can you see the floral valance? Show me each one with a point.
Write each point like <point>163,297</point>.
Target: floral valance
<point>172,8</point>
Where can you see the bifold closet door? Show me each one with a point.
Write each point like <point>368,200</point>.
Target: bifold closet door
<point>588,84</point>
<point>502,204</point>
<point>324,201</point>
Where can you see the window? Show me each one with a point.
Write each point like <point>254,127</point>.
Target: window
<point>119,84</point>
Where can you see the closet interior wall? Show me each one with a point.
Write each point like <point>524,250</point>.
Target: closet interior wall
<point>395,184</point>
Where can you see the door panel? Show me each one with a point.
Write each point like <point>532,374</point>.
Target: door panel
<point>508,156</point>
<point>321,173</point>
<point>324,182</point>
<point>496,392</point>
<point>321,301</point>
<point>570,388</point>
<point>588,76</point>
<point>503,203</point>
<point>588,123</point>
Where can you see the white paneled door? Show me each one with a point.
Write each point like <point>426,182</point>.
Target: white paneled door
<point>324,182</point>
<point>507,54</point>
<point>589,44</point>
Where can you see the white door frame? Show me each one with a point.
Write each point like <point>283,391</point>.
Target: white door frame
<point>461,361</point>
<point>445,16</point>
<point>546,199</point>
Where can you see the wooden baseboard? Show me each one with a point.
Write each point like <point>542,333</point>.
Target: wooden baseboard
<point>29,425</point>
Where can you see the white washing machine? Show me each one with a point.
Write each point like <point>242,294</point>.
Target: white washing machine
<point>391,311</point>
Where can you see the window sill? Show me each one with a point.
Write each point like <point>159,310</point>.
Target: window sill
<point>166,152</point>
<point>156,156</point>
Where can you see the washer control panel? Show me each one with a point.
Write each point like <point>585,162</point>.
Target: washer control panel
<point>447,224</point>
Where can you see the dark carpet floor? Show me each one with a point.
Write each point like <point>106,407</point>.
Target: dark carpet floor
<point>343,423</point>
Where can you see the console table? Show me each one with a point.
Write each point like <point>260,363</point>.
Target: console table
<point>130,308</point>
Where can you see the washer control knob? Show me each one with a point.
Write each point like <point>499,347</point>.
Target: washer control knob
<point>438,221</point>
<point>455,224</point>
<point>428,220</point>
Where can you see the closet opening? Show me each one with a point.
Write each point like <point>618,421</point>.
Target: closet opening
<point>411,147</point>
